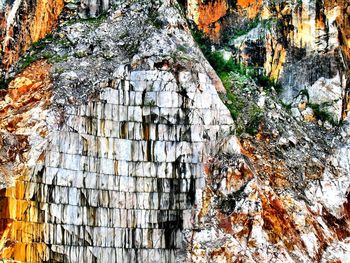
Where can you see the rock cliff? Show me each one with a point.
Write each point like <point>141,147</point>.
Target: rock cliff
<point>304,45</point>
<point>103,151</point>
<point>120,143</point>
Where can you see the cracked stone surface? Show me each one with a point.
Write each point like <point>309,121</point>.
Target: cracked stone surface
<point>120,167</point>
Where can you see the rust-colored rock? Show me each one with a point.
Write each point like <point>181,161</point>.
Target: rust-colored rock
<point>250,8</point>
<point>23,24</point>
<point>30,90</point>
<point>207,15</point>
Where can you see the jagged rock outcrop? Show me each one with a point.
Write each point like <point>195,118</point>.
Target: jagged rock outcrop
<point>108,143</point>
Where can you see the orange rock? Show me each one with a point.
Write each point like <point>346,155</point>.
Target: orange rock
<point>278,225</point>
<point>19,86</point>
<point>15,206</point>
<point>251,7</point>
<point>302,106</point>
<point>207,16</point>
<point>309,117</point>
<point>35,25</point>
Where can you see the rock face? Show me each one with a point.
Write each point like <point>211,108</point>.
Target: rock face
<point>210,15</point>
<point>298,43</point>
<point>207,15</point>
<point>115,144</point>
<point>117,168</point>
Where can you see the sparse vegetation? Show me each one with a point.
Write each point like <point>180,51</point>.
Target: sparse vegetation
<point>255,115</point>
<point>37,51</point>
<point>234,32</point>
<point>321,113</point>
<point>223,67</point>
<point>286,106</point>
<point>27,60</point>
<point>233,103</point>
<point>154,20</point>
<point>246,113</point>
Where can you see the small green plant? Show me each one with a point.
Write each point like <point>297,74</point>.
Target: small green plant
<point>80,54</point>
<point>57,59</point>
<point>226,80</point>
<point>95,21</point>
<point>255,115</point>
<point>304,92</point>
<point>321,113</point>
<point>26,61</point>
<point>286,106</point>
<point>202,41</point>
<point>154,20</point>
<point>41,44</point>
<point>151,103</point>
<point>59,70</point>
<point>233,103</point>
<point>182,48</point>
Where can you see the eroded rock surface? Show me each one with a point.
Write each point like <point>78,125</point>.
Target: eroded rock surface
<point>281,195</point>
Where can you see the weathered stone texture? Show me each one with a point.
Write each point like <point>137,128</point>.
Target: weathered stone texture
<point>207,15</point>
<point>121,175</point>
<point>117,170</point>
<point>93,8</point>
<point>115,153</point>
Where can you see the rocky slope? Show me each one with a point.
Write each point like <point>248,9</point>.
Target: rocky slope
<point>282,196</point>
<point>116,144</point>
